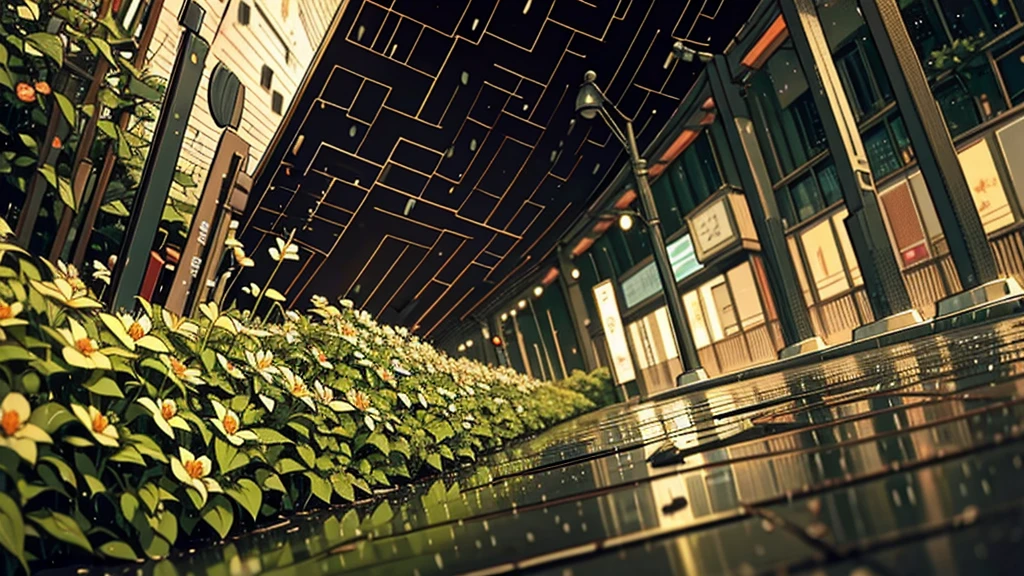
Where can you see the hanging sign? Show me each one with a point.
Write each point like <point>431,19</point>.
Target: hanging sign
<point>614,332</point>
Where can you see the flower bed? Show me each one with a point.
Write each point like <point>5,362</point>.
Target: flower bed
<point>122,436</point>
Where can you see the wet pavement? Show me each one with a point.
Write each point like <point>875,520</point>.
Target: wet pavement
<point>902,460</point>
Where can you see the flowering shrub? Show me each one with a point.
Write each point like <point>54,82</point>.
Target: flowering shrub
<point>124,435</point>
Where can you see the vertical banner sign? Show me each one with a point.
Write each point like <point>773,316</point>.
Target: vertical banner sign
<point>614,332</point>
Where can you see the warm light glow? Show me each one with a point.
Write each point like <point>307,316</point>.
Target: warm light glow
<point>626,222</point>
<point>496,340</point>
<point>513,313</point>
<point>537,291</point>
<point>575,273</point>
<point>504,317</point>
<point>469,343</point>
<point>462,348</point>
<point>521,304</point>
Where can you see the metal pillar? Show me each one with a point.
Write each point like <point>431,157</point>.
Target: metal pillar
<point>692,370</point>
<point>794,318</point>
<point>158,172</point>
<point>577,309</point>
<point>936,155</point>
<point>883,280</point>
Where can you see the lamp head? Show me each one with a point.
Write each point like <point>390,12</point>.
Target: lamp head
<point>589,99</point>
<point>626,222</point>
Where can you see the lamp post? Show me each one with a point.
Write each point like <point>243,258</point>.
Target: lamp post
<point>591,103</point>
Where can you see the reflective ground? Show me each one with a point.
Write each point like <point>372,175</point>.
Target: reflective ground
<point>904,460</point>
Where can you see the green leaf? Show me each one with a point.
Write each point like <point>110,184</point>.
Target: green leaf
<point>446,452</point>
<point>51,46</point>
<point>61,527</point>
<point>105,387</point>
<point>115,208</point>
<point>321,487</point>
<point>29,143</point>
<point>50,417</point>
<point>441,430</point>
<point>108,128</point>
<point>228,457</point>
<point>272,294</point>
<point>271,436</point>
<point>14,353</point>
<point>12,529</point>
<point>248,495</point>
<point>380,441</point>
<point>343,487</point>
<point>5,79</point>
<point>118,550</point>
<point>307,454</point>
<point>434,460</point>
<point>269,481</point>
<point>65,471</point>
<point>219,516</point>
<point>67,194</point>
<point>184,179</point>
<point>129,506</point>
<point>129,455</point>
<point>104,49</point>
<point>66,108</point>
<point>287,466</point>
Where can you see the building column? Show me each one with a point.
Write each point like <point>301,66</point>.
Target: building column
<point>794,317</point>
<point>933,146</point>
<point>577,310</point>
<point>883,280</point>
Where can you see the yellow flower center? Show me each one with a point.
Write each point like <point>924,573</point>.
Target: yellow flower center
<point>321,357</point>
<point>263,363</point>
<point>76,283</point>
<point>99,423</point>
<point>229,366</point>
<point>178,368</point>
<point>10,422</point>
<point>136,331</point>
<point>361,401</point>
<point>85,346</point>
<point>299,389</point>
<point>168,410</point>
<point>230,424</point>
<point>6,311</point>
<point>194,469</point>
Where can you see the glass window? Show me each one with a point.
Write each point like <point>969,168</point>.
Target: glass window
<point>801,275</point>
<point>748,300</point>
<point>824,260</point>
<point>924,26</point>
<point>924,203</point>
<point>785,202</point>
<point>806,199</point>
<point>787,113</point>
<point>905,227</point>
<point>695,317</point>
<point>880,152</point>
<point>1011,69</point>
<point>713,307</point>
<point>901,138</point>
<point>968,18</point>
<point>828,182</point>
<point>685,199</point>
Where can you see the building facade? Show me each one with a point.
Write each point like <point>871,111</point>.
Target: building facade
<point>755,128</point>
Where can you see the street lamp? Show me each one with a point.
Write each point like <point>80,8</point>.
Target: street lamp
<point>590,103</point>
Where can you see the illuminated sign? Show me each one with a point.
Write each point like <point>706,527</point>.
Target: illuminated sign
<point>722,223</point>
<point>614,332</point>
<point>646,283</point>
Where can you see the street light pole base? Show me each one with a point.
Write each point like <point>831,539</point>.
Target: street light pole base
<point>803,347</point>
<point>691,377</point>
<point>984,294</point>
<point>892,323</point>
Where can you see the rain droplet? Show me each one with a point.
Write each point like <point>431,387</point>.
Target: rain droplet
<point>393,48</point>
<point>476,22</point>
<point>360,32</point>
<point>472,145</point>
<point>464,78</point>
<point>357,288</point>
<point>554,156</point>
<point>526,107</point>
<point>597,168</point>
<point>526,7</point>
<point>352,131</point>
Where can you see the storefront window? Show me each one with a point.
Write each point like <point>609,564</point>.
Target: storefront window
<point>906,230</point>
<point>655,348</point>
<point>924,26</point>
<point>696,319</point>
<point>745,291</point>
<point>1011,70</point>
<point>794,253</point>
<point>824,260</point>
<point>806,200</point>
<point>1011,140</point>
<point>968,18</point>
<point>828,182</point>
<point>986,187</point>
<point>787,115</point>
<point>852,266</point>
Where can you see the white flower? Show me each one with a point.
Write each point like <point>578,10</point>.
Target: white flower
<point>297,387</point>
<point>15,431</point>
<point>262,362</point>
<point>80,349</point>
<point>100,272</point>
<point>180,371</point>
<point>324,394</point>
<point>179,325</point>
<point>321,358</point>
<point>137,333</point>
<point>346,303</point>
<point>284,251</point>
<point>228,423</point>
<point>230,368</point>
<point>193,472</point>
<point>165,414</point>
<point>98,425</point>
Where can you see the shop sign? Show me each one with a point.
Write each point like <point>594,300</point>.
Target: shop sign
<point>647,282</point>
<point>614,332</point>
<point>722,223</point>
